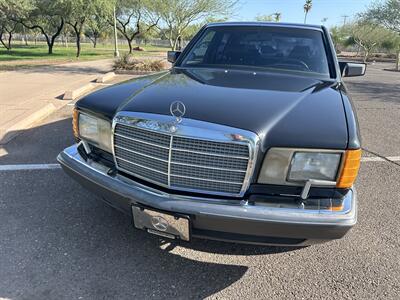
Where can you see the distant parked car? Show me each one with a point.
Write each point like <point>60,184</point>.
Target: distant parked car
<point>249,137</point>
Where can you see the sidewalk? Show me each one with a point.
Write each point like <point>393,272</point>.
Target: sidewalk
<point>27,96</point>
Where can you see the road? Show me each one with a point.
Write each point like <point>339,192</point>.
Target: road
<point>57,241</point>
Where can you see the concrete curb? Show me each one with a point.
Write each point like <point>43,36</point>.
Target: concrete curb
<point>42,113</point>
<point>72,95</point>
<point>106,77</point>
<point>38,115</point>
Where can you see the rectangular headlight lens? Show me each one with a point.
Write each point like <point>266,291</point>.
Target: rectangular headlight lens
<point>314,165</point>
<point>95,130</point>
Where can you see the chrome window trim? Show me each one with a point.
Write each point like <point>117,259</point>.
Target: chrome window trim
<point>190,128</point>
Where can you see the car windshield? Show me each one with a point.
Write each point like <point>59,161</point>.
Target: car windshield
<point>272,48</point>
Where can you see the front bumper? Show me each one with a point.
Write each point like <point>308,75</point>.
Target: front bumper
<point>230,220</point>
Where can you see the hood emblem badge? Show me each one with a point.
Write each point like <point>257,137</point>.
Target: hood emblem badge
<point>177,110</point>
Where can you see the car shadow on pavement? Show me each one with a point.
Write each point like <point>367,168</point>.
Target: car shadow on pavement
<point>227,248</point>
<point>40,144</point>
<point>60,241</point>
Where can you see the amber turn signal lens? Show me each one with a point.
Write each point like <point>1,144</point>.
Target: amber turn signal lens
<point>350,169</point>
<point>75,125</point>
<point>337,208</point>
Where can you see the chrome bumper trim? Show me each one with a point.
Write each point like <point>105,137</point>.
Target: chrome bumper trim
<point>230,208</point>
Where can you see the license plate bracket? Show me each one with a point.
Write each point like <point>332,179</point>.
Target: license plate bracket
<point>166,224</point>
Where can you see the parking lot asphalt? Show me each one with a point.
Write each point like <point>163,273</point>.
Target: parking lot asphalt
<point>57,241</point>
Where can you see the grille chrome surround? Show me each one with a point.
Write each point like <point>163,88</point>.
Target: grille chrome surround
<point>192,156</point>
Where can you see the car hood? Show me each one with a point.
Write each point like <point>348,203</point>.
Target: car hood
<point>284,110</point>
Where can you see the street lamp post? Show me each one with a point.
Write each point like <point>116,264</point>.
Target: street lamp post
<point>116,52</point>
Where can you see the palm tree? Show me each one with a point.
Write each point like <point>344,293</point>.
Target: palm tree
<point>307,8</point>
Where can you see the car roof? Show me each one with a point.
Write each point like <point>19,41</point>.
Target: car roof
<point>267,24</point>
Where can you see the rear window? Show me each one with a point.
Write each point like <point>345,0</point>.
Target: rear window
<point>276,49</point>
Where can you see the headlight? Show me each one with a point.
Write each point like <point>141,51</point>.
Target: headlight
<point>285,166</point>
<point>95,130</point>
<point>314,165</point>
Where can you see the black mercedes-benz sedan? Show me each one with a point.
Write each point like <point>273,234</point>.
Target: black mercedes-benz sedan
<point>249,137</point>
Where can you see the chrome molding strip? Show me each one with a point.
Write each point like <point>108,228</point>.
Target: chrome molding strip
<point>169,174</point>
<point>205,179</point>
<point>178,163</point>
<point>141,166</point>
<point>179,149</point>
<point>207,167</point>
<point>169,159</point>
<point>211,154</point>
<point>194,129</point>
<point>143,178</point>
<point>140,141</point>
<point>142,154</point>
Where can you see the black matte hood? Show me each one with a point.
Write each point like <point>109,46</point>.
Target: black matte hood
<point>284,110</point>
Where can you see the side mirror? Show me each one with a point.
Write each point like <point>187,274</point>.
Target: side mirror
<point>351,69</point>
<point>172,56</point>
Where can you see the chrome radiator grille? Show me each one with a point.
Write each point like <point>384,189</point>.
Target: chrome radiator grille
<point>181,163</point>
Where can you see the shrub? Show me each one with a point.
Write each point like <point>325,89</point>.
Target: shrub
<point>128,62</point>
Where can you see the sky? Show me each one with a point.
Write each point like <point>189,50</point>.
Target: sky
<point>292,10</point>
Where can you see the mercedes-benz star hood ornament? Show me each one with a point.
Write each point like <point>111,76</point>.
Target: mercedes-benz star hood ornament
<point>177,109</point>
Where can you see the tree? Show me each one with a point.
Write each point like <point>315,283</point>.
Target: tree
<point>393,43</point>
<point>339,35</point>
<point>147,35</point>
<point>368,36</point>
<point>386,14</point>
<point>191,31</point>
<point>136,17</point>
<point>177,15</point>
<point>6,26</point>
<point>275,17</point>
<point>78,12</point>
<point>65,34</point>
<point>96,26</point>
<point>46,16</point>
<point>9,12</point>
<point>307,7</point>
<point>264,18</point>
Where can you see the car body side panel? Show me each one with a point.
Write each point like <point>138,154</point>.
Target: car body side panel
<point>352,120</point>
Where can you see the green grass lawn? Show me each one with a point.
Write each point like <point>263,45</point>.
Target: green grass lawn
<point>34,54</point>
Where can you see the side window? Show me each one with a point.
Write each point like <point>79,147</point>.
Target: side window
<point>197,55</point>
